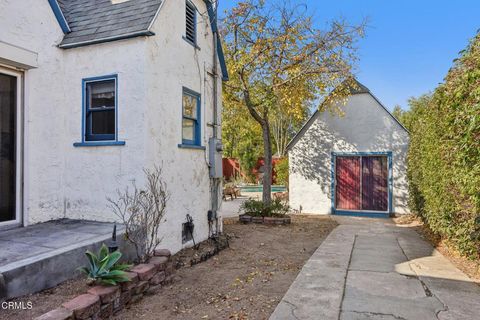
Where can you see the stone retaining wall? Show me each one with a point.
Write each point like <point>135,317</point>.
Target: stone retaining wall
<point>102,302</point>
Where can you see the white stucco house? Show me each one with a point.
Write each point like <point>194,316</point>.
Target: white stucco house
<point>353,164</point>
<point>94,91</point>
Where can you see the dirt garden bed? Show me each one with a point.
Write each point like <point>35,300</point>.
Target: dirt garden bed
<point>244,281</point>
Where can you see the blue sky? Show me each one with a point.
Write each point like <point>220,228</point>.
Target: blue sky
<point>409,45</point>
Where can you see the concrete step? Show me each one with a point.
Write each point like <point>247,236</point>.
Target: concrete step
<point>42,256</point>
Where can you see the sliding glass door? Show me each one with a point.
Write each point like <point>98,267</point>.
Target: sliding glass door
<point>9,155</point>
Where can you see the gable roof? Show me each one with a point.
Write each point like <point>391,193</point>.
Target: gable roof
<point>95,21</point>
<point>360,89</point>
<point>86,22</point>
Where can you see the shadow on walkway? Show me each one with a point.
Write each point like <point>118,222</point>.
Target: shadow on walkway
<point>372,269</point>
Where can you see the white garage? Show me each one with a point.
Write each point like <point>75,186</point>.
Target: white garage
<point>354,164</point>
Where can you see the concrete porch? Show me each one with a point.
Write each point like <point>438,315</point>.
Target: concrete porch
<point>41,256</point>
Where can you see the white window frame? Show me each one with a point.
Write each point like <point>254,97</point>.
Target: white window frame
<point>18,149</point>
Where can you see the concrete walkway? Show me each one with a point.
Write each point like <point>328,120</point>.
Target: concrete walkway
<point>372,269</point>
<point>231,208</point>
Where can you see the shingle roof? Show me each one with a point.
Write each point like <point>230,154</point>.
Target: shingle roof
<point>94,21</point>
<point>358,88</point>
<point>86,22</point>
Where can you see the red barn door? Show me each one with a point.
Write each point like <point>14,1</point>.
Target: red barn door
<point>348,183</point>
<point>374,184</point>
<point>361,183</point>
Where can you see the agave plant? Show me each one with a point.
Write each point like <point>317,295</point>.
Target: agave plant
<point>103,268</point>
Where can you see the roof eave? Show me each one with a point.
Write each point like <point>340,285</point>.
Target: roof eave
<point>221,58</point>
<point>143,33</point>
<point>221,55</point>
<point>57,11</point>
<point>301,132</point>
<point>388,111</point>
<point>156,15</point>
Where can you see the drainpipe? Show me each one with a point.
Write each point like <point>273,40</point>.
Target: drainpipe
<point>215,181</point>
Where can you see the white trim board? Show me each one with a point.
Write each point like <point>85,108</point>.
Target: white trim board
<point>17,57</point>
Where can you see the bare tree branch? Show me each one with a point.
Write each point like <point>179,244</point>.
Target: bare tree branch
<point>141,211</point>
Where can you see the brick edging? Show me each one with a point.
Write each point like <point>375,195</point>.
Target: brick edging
<point>102,302</point>
<point>245,218</point>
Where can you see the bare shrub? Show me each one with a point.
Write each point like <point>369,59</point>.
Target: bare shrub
<point>141,211</point>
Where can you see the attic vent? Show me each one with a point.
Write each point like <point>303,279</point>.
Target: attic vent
<point>191,23</point>
<point>119,1</point>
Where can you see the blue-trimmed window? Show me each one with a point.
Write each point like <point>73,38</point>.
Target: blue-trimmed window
<point>191,116</point>
<point>100,108</point>
<point>191,23</point>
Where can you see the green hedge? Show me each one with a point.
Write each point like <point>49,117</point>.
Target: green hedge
<point>444,155</point>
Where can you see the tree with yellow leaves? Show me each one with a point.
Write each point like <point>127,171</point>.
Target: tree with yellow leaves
<point>280,64</point>
<point>241,136</point>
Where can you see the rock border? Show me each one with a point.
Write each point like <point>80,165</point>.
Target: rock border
<point>245,218</point>
<point>102,302</point>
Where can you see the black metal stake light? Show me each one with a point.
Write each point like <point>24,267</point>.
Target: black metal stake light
<point>190,227</point>
<point>113,246</point>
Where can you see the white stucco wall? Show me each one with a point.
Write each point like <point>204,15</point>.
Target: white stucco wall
<point>63,181</point>
<point>38,31</point>
<point>173,64</point>
<point>365,127</point>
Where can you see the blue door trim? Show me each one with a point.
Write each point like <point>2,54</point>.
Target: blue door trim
<point>363,213</point>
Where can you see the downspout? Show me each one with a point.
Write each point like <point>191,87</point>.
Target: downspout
<point>215,84</point>
<point>215,181</point>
